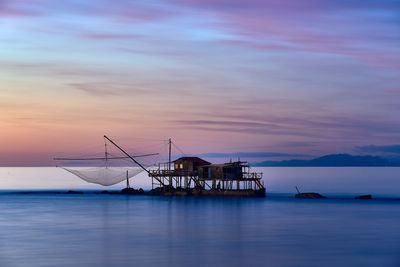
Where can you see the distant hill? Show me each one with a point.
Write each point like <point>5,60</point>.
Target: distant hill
<point>334,160</point>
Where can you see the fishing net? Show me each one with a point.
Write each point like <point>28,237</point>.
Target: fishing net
<point>105,175</point>
<point>111,166</point>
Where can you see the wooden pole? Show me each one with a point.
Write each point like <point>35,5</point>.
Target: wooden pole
<point>297,189</point>
<point>127,179</point>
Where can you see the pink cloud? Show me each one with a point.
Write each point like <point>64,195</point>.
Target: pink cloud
<point>17,13</point>
<point>139,13</point>
<point>393,92</point>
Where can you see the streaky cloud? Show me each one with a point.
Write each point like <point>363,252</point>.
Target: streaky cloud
<point>251,155</point>
<point>225,123</point>
<point>376,149</point>
<point>109,36</point>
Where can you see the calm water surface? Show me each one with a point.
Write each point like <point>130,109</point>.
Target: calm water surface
<point>113,230</point>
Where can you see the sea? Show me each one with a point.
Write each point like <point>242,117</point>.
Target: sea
<point>40,225</point>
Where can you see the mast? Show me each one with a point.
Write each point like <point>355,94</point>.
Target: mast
<point>105,152</point>
<point>169,154</point>
<point>169,161</point>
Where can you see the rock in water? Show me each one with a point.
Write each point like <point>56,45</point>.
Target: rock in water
<point>128,191</point>
<point>309,195</point>
<point>74,192</point>
<point>364,197</point>
<point>131,191</point>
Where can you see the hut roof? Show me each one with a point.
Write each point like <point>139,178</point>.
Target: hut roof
<point>194,160</point>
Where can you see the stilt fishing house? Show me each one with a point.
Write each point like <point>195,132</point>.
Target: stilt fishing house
<point>183,176</point>
<point>193,175</point>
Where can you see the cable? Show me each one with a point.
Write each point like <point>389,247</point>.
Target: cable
<point>180,150</point>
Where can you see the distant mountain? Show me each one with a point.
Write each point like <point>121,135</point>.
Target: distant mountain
<point>334,160</point>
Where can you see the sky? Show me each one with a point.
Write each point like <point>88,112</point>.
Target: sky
<point>268,79</point>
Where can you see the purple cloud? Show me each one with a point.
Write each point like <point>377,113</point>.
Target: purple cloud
<point>251,155</point>
<point>327,27</point>
<point>376,149</point>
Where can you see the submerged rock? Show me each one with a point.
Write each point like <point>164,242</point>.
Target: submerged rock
<point>163,191</point>
<point>309,195</point>
<point>74,192</point>
<point>128,190</point>
<point>132,191</point>
<point>364,197</point>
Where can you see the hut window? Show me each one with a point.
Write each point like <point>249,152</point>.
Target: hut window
<point>181,166</point>
<point>176,165</point>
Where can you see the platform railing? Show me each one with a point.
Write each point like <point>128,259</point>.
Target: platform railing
<point>252,175</point>
<point>165,172</point>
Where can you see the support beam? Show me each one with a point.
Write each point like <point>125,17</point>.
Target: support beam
<point>107,158</point>
<point>127,179</point>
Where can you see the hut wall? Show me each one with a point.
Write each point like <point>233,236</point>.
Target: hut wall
<point>216,172</point>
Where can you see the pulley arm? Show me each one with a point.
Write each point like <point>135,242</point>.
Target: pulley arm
<point>129,156</point>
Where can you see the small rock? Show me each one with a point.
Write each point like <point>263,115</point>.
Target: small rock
<point>364,197</point>
<point>74,192</point>
<point>128,191</point>
<point>309,195</point>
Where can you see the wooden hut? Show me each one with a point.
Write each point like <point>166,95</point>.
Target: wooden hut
<point>189,165</point>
